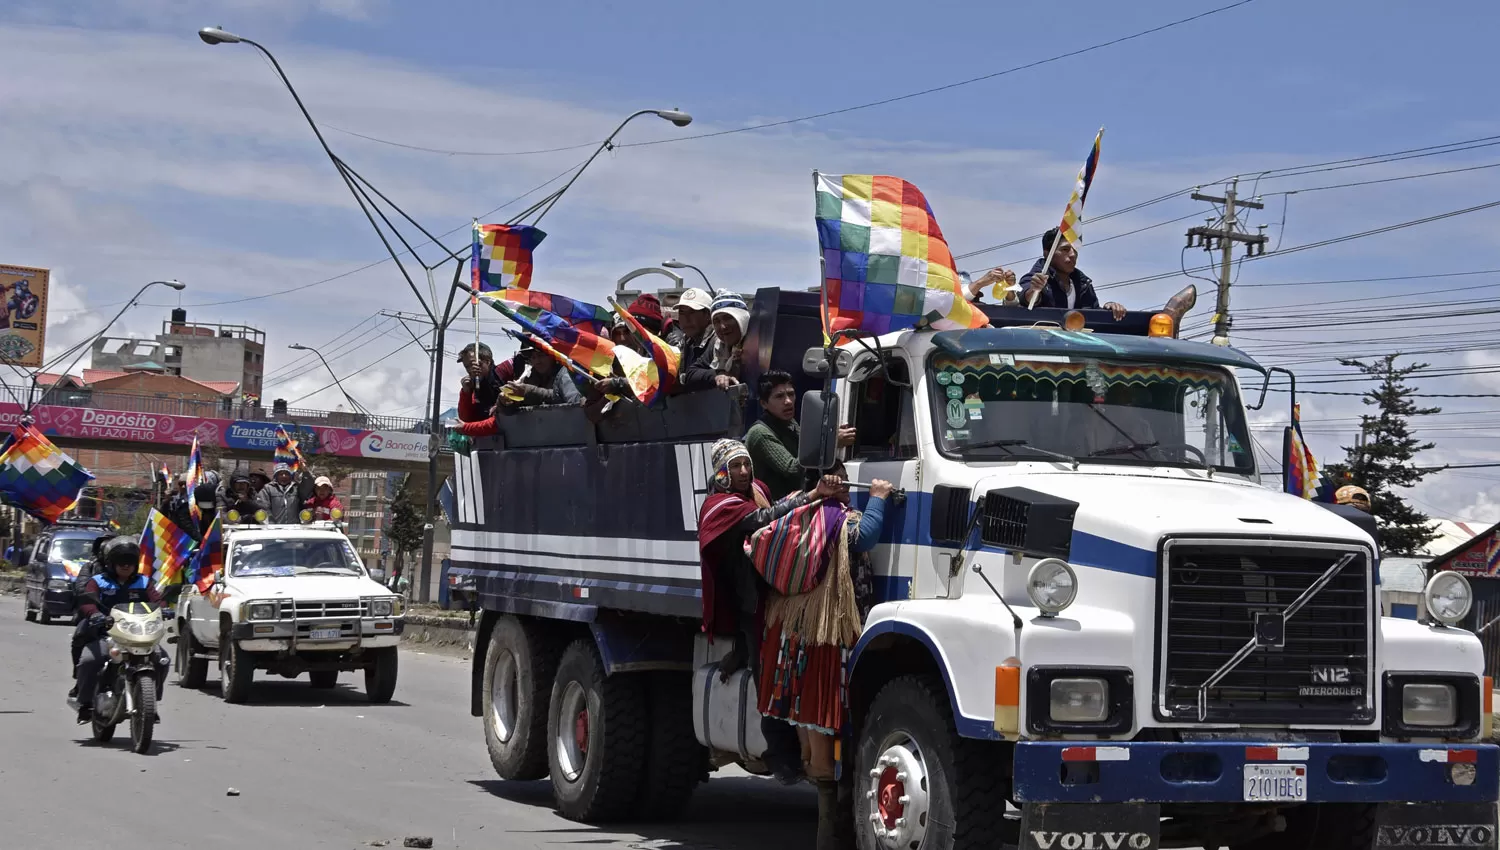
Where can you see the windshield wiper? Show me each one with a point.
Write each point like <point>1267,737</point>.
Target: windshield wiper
<point>1119,450</point>
<point>1013,444</point>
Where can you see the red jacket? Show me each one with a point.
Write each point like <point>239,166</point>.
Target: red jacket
<point>323,509</point>
<point>471,411</point>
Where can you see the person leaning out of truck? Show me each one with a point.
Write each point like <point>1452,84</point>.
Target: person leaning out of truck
<point>480,387</point>
<point>695,319</point>
<point>809,635</point>
<point>1063,286</point>
<point>545,384</point>
<point>772,440</point>
<point>731,321</point>
<point>323,503</point>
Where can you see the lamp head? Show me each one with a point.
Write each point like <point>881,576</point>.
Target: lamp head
<point>674,264</point>
<point>297,346</point>
<point>175,284</point>
<point>216,35</point>
<point>676,116</point>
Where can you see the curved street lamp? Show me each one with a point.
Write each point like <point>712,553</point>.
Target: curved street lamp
<point>88,343</point>
<point>676,116</point>
<point>358,408</point>
<point>675,263</point>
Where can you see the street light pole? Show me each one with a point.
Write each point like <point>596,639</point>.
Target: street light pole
<point>32,400</point>
<point>676,116</point>
<point>358,408</point>
<point>675,263</point>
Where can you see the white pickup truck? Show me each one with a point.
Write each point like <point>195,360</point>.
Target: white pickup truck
<point>292,599</point>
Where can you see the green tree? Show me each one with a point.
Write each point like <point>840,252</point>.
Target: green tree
<point>404,525</point>
<point>1384,461</point>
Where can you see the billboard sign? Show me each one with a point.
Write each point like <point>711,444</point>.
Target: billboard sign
<point>23,321</point>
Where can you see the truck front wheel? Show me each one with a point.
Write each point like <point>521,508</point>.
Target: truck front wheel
<point>917,784</point>
<point>597,736</point>
<point>380,676</point>
<point>236,670</point>
<point>519,666</point>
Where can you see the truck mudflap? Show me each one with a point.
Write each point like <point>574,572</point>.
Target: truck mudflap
<point>1418,826</point>
<point>1252,772</point>
<point>1090,826</point>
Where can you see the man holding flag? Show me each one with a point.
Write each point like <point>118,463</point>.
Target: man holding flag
<point>1063,285</point>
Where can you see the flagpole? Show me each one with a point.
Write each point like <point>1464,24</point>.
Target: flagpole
<point>473,297</point>
<point>1086,179</point>
<point>822,273</point>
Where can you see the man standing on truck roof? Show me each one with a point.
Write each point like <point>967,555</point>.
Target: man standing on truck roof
<point>281,498</point>
<point>772,440</point>
<point>1063,286</point>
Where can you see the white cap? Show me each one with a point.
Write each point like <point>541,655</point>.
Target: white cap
<point>695,299</point>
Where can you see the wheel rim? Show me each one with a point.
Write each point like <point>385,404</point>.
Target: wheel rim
<point>572,731</point>
<point>898,794</point>
<point>504,691</point>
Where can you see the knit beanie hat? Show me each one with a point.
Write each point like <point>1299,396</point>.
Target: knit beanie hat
<point>731,304</point>
<point>647,310</point>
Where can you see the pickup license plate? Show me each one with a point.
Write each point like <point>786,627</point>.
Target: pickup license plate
<point>1275,783</point>
<point>335,632</point>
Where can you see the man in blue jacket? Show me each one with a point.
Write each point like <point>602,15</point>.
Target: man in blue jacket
<point>1063,286</point>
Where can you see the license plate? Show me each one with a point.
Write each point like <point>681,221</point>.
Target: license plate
<point>334,634</point>
<point>1275,783</point>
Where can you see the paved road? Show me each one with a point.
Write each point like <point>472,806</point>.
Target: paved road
<point>315,770</point>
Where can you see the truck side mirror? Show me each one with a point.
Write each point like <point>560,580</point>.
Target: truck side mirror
<point>817,445</point>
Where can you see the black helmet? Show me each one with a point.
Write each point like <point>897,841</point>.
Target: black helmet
<point>99,543</point>
<point>121,550</point>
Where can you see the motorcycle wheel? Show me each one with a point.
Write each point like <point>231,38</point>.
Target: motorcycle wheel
<point>143,721</point>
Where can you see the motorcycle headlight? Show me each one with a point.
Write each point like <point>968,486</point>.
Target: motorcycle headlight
<point>1448,597</point>
<point>260,611</point>
<point>382,607</point>
<point>130,627</point>
<point>152,627</point>
<point>1052,586</point>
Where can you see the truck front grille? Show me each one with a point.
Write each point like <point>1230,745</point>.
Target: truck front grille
<point>304,609</point>
<point>1211,594</point>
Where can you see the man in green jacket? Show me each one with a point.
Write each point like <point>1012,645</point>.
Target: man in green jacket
<point>772,440</point>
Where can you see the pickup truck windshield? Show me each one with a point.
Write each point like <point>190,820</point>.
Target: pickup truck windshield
<point>994,405</point>
<point>292,557</point>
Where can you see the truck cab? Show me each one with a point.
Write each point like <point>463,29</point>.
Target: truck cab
<point>1093,605</point>
<point>58,561</point>
<point>291,599</point>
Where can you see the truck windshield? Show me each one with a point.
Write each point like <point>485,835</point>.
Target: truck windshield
<point>291,557</point>
<point>994,405</point>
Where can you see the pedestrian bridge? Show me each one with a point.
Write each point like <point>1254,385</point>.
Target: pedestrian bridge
<point>164,424</point>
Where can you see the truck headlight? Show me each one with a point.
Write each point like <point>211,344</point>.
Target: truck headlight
<point>1429,705</point>
<point>1448,597</point>
<point>1052,586</point>
<point>382,607</point>
<point>260,611</point>
<point>58,584</point>
<point>1079,700</point>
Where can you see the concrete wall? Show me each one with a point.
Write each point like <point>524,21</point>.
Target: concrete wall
<point>212,358</point>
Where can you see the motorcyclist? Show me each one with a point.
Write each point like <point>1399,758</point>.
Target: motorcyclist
<point>281,496</point>
<point>117,583</point>
<point>94,566</point>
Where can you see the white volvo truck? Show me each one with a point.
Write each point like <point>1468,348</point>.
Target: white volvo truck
<point>1096,608</point>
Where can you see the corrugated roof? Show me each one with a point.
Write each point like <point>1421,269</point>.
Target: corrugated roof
<point>91,376</point>
<point>1403,574</point>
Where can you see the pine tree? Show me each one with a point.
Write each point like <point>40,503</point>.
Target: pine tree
<point>1384,462</point>
<point>405,527</point>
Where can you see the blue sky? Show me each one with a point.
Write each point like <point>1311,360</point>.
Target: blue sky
<point>134,151</point>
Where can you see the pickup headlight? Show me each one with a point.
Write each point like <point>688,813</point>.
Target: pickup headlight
<point>1079,700</point>
<point>59,584</point>
<point>260,610</point>
<point>1052,586</point>
<point>1429,705</point>
<point>1448,597</point>
<point>382,607</point>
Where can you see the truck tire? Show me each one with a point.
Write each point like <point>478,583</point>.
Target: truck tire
<point>675,761</point>
<point>44,615</point>
<point>596,733</point>
<point>236,671</point>
<point>380,676</point>
<point>26,609</point>
<point>323,680</point>
<point>1321,826</point>
<point>955,788</point>
<point>519,666</point>
<point>191,672</point>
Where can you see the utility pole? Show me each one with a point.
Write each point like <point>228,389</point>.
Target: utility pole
<point>1223,234</point>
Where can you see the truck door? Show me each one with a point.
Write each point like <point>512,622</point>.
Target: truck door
<point>879,404</point>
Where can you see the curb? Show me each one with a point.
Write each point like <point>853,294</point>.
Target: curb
<point>439,631</point>
<point>11,584</point>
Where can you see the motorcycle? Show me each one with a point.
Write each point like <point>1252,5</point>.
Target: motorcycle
<point>127,685</point>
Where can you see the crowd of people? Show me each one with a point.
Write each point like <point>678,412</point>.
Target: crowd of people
<point>282,497</point>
